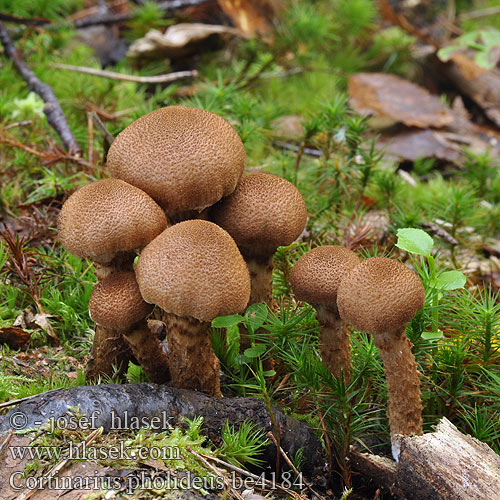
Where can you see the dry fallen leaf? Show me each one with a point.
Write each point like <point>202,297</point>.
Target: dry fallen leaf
<point>14,337</point>
<point>412,144</point>
<point>398,99</point>
<point>251,17</point>
<point>179,40</point>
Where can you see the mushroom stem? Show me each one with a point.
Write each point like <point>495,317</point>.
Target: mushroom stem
<point>261,277</point>
<point>403,383</point>
<point>109,354</point>
<point>149,353</point>
<point>193,363</point>
<point>335,347</point>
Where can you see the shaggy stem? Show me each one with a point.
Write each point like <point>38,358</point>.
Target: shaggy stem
<point>335,347</point>
<point>261,277</point>
<point>193,363</point>
<point>109,354</point>
<point>403,383</point>
<point>149,353</point>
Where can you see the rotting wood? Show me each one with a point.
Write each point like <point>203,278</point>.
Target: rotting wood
<point>441,465</point>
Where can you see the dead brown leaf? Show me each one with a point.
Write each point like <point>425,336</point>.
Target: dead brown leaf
<point>412,144</point>
<point>397,99</point>
<point>251,17</point>
<point>179,40</point>
<point>14,337</point>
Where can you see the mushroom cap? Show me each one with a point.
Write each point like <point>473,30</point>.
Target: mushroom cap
<point>380,295</point>
<point>184,158</point>
<point>264,212</point>
<point>117,303</point>
<point>316,276</point>
<point>194,269</point>
<point>106,217</point>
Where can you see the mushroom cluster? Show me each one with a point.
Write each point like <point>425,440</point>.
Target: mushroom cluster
<point>378,296</point>
<point>167,167</point>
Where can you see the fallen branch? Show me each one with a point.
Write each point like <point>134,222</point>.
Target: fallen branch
<point>166,6</point>
<point>115,405</point>
<point>171,77</point>
<point>52,109</point>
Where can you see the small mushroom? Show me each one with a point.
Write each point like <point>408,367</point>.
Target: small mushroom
<point>106,221</point>
<point>117,306</point>
<point>195,272</point>
<point>186,159</point>
<point>380,296</point>
<point>264,212</point>
<point>315,278</point>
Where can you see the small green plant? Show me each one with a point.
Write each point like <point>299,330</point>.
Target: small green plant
<point>243,445</point>
<point>484,42</point>
<point>418,242</point>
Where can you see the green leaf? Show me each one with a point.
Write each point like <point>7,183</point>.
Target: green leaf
<point>415,241</point>
<point>432,335</point>
<point>450,280</point>
<point>227,321</point>
<point>446,52</point>
<point>255,316</point>
<point>255,351</point>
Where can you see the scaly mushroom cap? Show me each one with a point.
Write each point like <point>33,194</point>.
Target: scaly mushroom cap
<point>380,295</point>
<point>264,212</point>
<point>106,217</point>
<point>184,158</point>
<point>316,276</point>
<point>194,269</point>
<point>117,303</point>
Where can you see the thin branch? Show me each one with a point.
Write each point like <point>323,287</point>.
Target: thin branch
<point>100,125</point>
<point>235,492</point>
<point>34,21</point>
<point>290,463</point>
<point>170,77</point>
<point>167,6</point>
<point>52,109</point>
<point>476,14</point>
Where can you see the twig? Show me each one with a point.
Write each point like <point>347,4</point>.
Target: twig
<point>476,14</point>
<point>24,123</point>
<point>170,77</point>
<point>52,109</point>
<point>235,492</point>
<point>63,463</point>
<point>34,21</point>
<point>166,6</point>
<point>290,463</point>
<point>14,402</point>
<point>100,125</point>
<point>90,128</point>
<point>244,472</point>
<point>6,441</point>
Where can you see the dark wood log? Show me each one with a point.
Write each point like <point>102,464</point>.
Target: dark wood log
<point>120,404</point>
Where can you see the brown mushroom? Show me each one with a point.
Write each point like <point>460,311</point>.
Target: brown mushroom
<point>106,221</point>
<point>116,304</point>
<point>380,296</point>
<point>185,158</point>
<point>315,278</point>
<point>264,212</point>
<point>195,272</point>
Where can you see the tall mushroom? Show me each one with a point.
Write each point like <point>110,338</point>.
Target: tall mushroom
<point>106,221</point>
<point>116,304</point>
<point>195,272</point>
<point>186,159</point>
<point>264,212</point>
<point>380,296</point>
<point>315,278</point>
